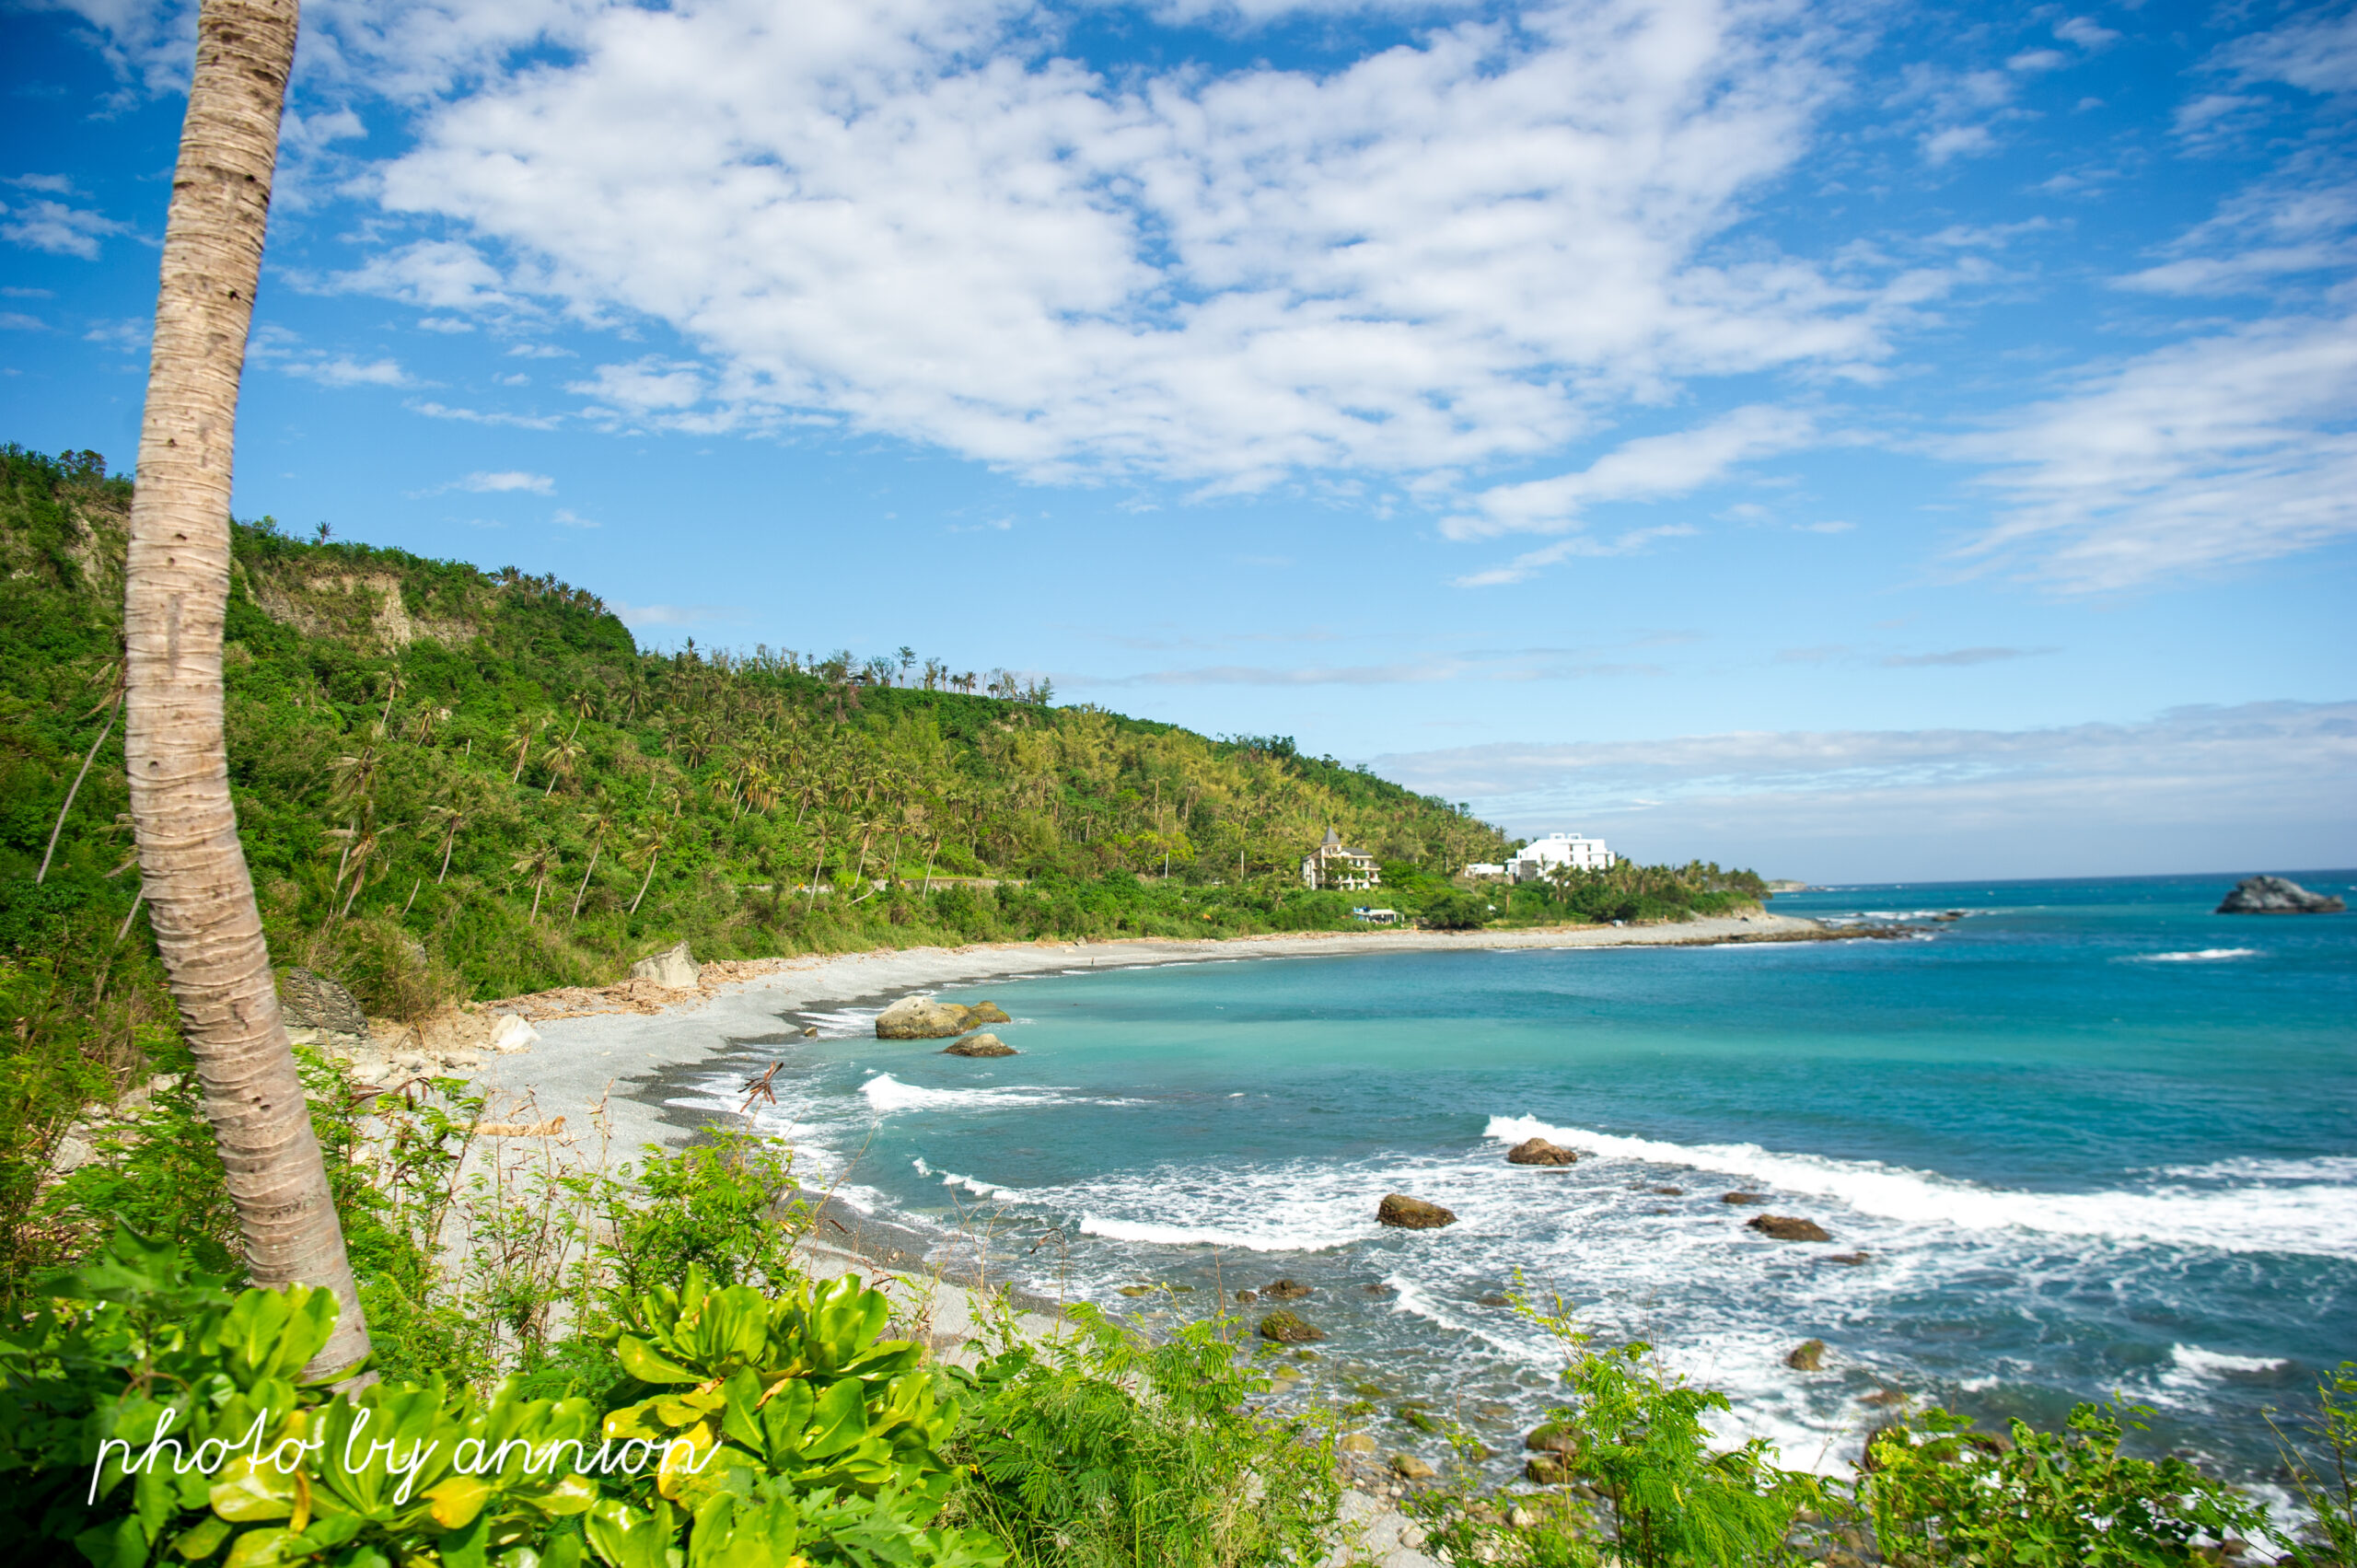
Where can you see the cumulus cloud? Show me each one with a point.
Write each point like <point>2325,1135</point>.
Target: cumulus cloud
<point>1468,249</point>
<point>503,481</point>
<point>2205,788</point>
<point>53,227</point>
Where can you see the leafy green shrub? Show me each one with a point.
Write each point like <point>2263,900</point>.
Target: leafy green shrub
<point>2330,1493</point>
<point>1457,911</point>
<point>1101,1451</point>
<point>149,1414</point>
<point>1940,1493</point>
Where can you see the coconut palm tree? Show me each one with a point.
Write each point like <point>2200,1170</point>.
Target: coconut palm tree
<point>652,841</point>
<point>176,587</point>
<point>599,822</point>
<point>540,863</point>
<point>110,675</point>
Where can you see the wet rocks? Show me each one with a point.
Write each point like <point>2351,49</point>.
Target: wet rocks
<point>1356,1443</point>
<point>1407,1466</point>
<point>921,1017</point>
<point>1494,1298</point>
<point>2277,895</point>
<point>1552,1438</point>
<point>1290,1328</point>
<point>980,1045</point>
<point>1539,1151</point>
<point>987,1013</point>
<point>1403,1213</point>
<point>674,969</point>
<point>1546,1470</point>
<point>1287,1290</point>
<point>1849,1260</point>
<point>1807,1357</point>
<point>1743,1197</point>
<point>1247,1298</point>
<point>1790,1227</point>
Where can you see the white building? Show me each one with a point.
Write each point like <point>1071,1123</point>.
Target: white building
<point>1541,857</point>
<point>1335,864</point>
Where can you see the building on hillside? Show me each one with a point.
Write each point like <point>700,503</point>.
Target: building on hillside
<point>1542,857</point>
<point>1334,865</point>
<point>1487,868</point>
<point>1376,916</point>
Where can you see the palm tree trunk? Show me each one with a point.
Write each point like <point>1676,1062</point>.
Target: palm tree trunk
<point>193,873</point>
<point>448,844</point>
<point>645,879</point>
<point>92,756</point>
<point>581,893</point>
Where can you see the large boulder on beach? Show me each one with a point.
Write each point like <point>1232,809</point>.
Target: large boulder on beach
<point>1404,1212</point>
<point>921,1017</point>
<point>1539,1151</point>
<point>674,969</point>
<point>2277,895</point>
<point>1790,1227</point>
<point>981,1045</point>
<point>1290,1328</point>
<point>320,1012</point>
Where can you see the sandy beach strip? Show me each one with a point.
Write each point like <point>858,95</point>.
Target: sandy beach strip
<point>630,1052</point>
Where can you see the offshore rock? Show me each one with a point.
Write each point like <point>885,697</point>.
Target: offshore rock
<point>980,1045</point>
<point>1546,1470</point>
<point>1539,1151</point>
<point>2277,895</point>
<point>1404,1212</point>
<point>1807,1357</point>
<point>1743,1197</point>
<point>1407,1466</point>
<point>1790,1227</point>
<point>1552,1438</point>
<point>921,1017</point>
<point>1288,1290</point>
<point>1290,1328</point>
<point>674,969</point>
<point>320,1012</point>
<point>987,1013</point>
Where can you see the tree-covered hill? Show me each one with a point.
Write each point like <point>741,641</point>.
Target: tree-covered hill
<point>452,782</point>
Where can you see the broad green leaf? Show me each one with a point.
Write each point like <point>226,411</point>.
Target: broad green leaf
<point>453,1503</point>
<point>202,1539</point>
<point>248,1492</point>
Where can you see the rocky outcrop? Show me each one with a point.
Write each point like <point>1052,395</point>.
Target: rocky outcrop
<point>1539,1151</point>
<point>1404,1212</point>
<point>1407,1466</point>
<point>921,1017</point>
<point>1288,1290</point>
<point>1807,1357</point>
<point>1552,1438</point>
<point>1290,1328</point>
<point>674,969</point>
<point>2277,895</point>
<point>1790,1227</point>
<point>320,1012</point>
<point>981,1045</point>
<point>1546,1470</point>
<point>987,1013</point>
<point>1743,1197</point>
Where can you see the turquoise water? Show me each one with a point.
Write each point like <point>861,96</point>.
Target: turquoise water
<point>2091,1139</point>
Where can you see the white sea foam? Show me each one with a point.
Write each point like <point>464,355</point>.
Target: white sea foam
<point>2314,1217</point>
<point>2197,955</point>
<point>1260,1239</point>
<point>885,1094</point>
<point>2203,1363</point>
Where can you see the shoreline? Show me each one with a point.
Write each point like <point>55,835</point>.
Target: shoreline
<point>625,1050</point>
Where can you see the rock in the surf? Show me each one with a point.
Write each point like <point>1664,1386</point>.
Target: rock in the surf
<point>1404,1212</point>
<point>1546,1470</point>
<point>673,968</point>
<point>987,1013</point>
<point>1849,1260</point>
<point>980,1045</point>
<point>1290,1328</point>
<point>1807,1357</point>
<point>1355,1442</point>
<point>1552,1438</point>
<point>1790,1227</point>
<point>1407,1466</point>
<point>2277,895</point>
<point>1743,1197</point>
<point>1539,1151</point>
<point>1246,1297</point>
<point>1287,1290</point>
<point>919,1017</point>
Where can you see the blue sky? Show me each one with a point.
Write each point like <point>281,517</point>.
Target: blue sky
<point>1857,440</point>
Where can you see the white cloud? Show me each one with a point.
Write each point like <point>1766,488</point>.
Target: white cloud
<point>2032,62</point>
<point>56,227</point>
<point>568,520</point>
<point>1462,251</point>
<point>1650,468</point>
<point>2300,221</point>
<point>2262,784</point>
<point>2316,51</point>
<point>48,185</point>
<point>431,410</point>
<point>2086,33</point>
<point>2212,453</point>
<point>673,614</point>
<point>505,481</point>
<point>17,321</point>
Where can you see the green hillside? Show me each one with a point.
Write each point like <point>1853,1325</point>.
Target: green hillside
<point>456,783</point>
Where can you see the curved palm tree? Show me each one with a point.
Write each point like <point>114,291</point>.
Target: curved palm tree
<point>110,675</point>
<point>539,862</point>
<point>652,841</point>
<point>600,821</point>
<point>176,587</point>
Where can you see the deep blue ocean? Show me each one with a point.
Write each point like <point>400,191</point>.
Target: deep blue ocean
<point>2092,1140</point>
